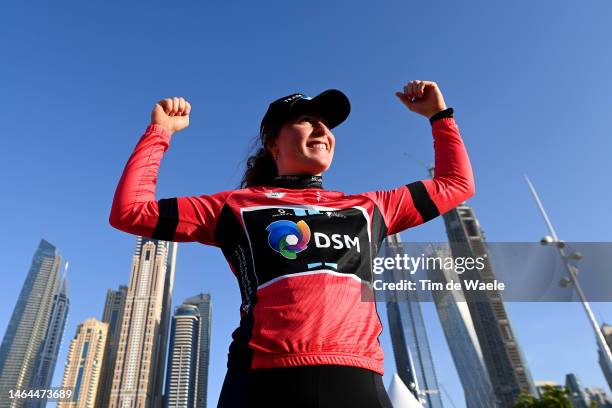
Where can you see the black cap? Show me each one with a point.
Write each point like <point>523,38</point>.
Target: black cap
<point>332,105</point>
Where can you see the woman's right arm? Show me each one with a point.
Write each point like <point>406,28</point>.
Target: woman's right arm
<point>136,210</point>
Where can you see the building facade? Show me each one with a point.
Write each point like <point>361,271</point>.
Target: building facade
<point>112,315</point>
<point>461,337</point>
<point>53,340</point>
<point>24,337</point>
<point>411,349</point>
<point>139,367</point>
<point>203,302</point>
<point>183,361</point>
<point>84,364</point>
<point>502,356</point>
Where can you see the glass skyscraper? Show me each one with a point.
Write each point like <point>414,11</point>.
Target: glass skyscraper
<point>53,339</point>
<point>461,337</point>
<point>204,305</point>
<point>23,341</point>
<point>408,335</point>
<point>183,361</point>
<point>502,356</point>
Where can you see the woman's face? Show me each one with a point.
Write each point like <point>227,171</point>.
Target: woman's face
<point>303,146</point>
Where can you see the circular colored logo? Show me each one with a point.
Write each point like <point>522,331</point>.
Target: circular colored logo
<point>288,238</point>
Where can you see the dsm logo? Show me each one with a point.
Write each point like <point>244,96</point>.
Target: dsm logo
<point>288,238</point>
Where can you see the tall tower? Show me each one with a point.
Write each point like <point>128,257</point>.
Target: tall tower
<point>84,363</point>
<point>505,364</point>
<point>577,394</point>
<point>204,304</point>
<point>183,362</point>
<point>461,337</point>
<point>112,315</point>
<point>606,331</point>
<point>139,367</point>
<point>24,337</point>
<point>408,335</point>
<point>53,340</point>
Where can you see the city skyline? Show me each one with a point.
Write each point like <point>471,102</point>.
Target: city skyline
<point>78,97</point>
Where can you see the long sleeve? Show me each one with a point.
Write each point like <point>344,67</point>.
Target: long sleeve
<point>423,200</point>
<point>136,210</point>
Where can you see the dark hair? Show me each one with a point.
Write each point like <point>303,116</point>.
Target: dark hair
<point>260,166</point>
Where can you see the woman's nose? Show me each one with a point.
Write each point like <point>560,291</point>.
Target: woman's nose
<point>319,128</point>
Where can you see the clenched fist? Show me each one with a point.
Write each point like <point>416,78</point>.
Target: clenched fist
<point>422,97</point>
<point>171,113</point>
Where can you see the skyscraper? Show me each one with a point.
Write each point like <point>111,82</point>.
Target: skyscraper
<point>606,330</point>
<point>84,363</point>
<point>204,304</point>
<point>112,315</point>
<point>22,343</point>
<point>505,364</point>
<point>139,366</point>
<point>52,342</point>
<point>408,335</point>
<point>183,362</point>
<point>461,337</point>
<point>577,394</point>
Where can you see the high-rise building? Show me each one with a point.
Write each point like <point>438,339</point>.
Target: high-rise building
<point>411,349</point>
<point>606,330</point>
<point>577,395</point>
<point>139,366</point>
<point>598,398</point>
<point>542,386</point>
<point>204,304</point>
<point>460,335</point>
<point>112,314</point>
<point>183,361</point>
<point>53,340</point>
<point>22,343</point>
<point>84,364</point>
<point>503,359</point>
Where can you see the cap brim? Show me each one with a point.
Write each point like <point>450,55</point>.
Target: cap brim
<point>332,105</point>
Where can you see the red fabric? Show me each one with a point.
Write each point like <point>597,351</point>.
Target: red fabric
<point>304,317</point>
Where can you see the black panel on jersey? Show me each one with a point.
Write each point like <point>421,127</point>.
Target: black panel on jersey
<point>342,245</point>
<point>422,201</point>
<point>168,219</point>
<point>235,246</point>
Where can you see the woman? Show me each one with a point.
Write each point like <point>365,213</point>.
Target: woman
<point>302,255</point>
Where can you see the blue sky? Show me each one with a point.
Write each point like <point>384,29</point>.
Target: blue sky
<point>529,82</point>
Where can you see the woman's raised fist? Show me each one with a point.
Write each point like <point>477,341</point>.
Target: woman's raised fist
<point>171,113</point>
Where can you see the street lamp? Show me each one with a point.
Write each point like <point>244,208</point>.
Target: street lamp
<point>572,278</point>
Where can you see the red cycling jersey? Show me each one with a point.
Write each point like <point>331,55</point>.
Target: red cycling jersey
<point>302,255</point>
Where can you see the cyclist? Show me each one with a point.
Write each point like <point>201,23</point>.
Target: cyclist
<point>302,255</point>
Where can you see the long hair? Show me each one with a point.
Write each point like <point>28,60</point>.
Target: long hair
<point>260,166</point>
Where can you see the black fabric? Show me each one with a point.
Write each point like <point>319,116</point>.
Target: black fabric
<point>423,203</point>
<point>234,243</point>
<point>168,219</point>
<point>318,386</point>
<point>298,181</point>
<point>446,113</point>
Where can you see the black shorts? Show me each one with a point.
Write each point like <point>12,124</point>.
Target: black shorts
<point>320,386</point>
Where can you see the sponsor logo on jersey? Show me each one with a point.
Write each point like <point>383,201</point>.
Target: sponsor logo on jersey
<point>274,194</point>
<point>288,238</point>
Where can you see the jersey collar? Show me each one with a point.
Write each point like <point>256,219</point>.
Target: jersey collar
<point>298,181</point>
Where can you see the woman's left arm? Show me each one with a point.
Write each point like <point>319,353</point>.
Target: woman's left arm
<point>453,181</point>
